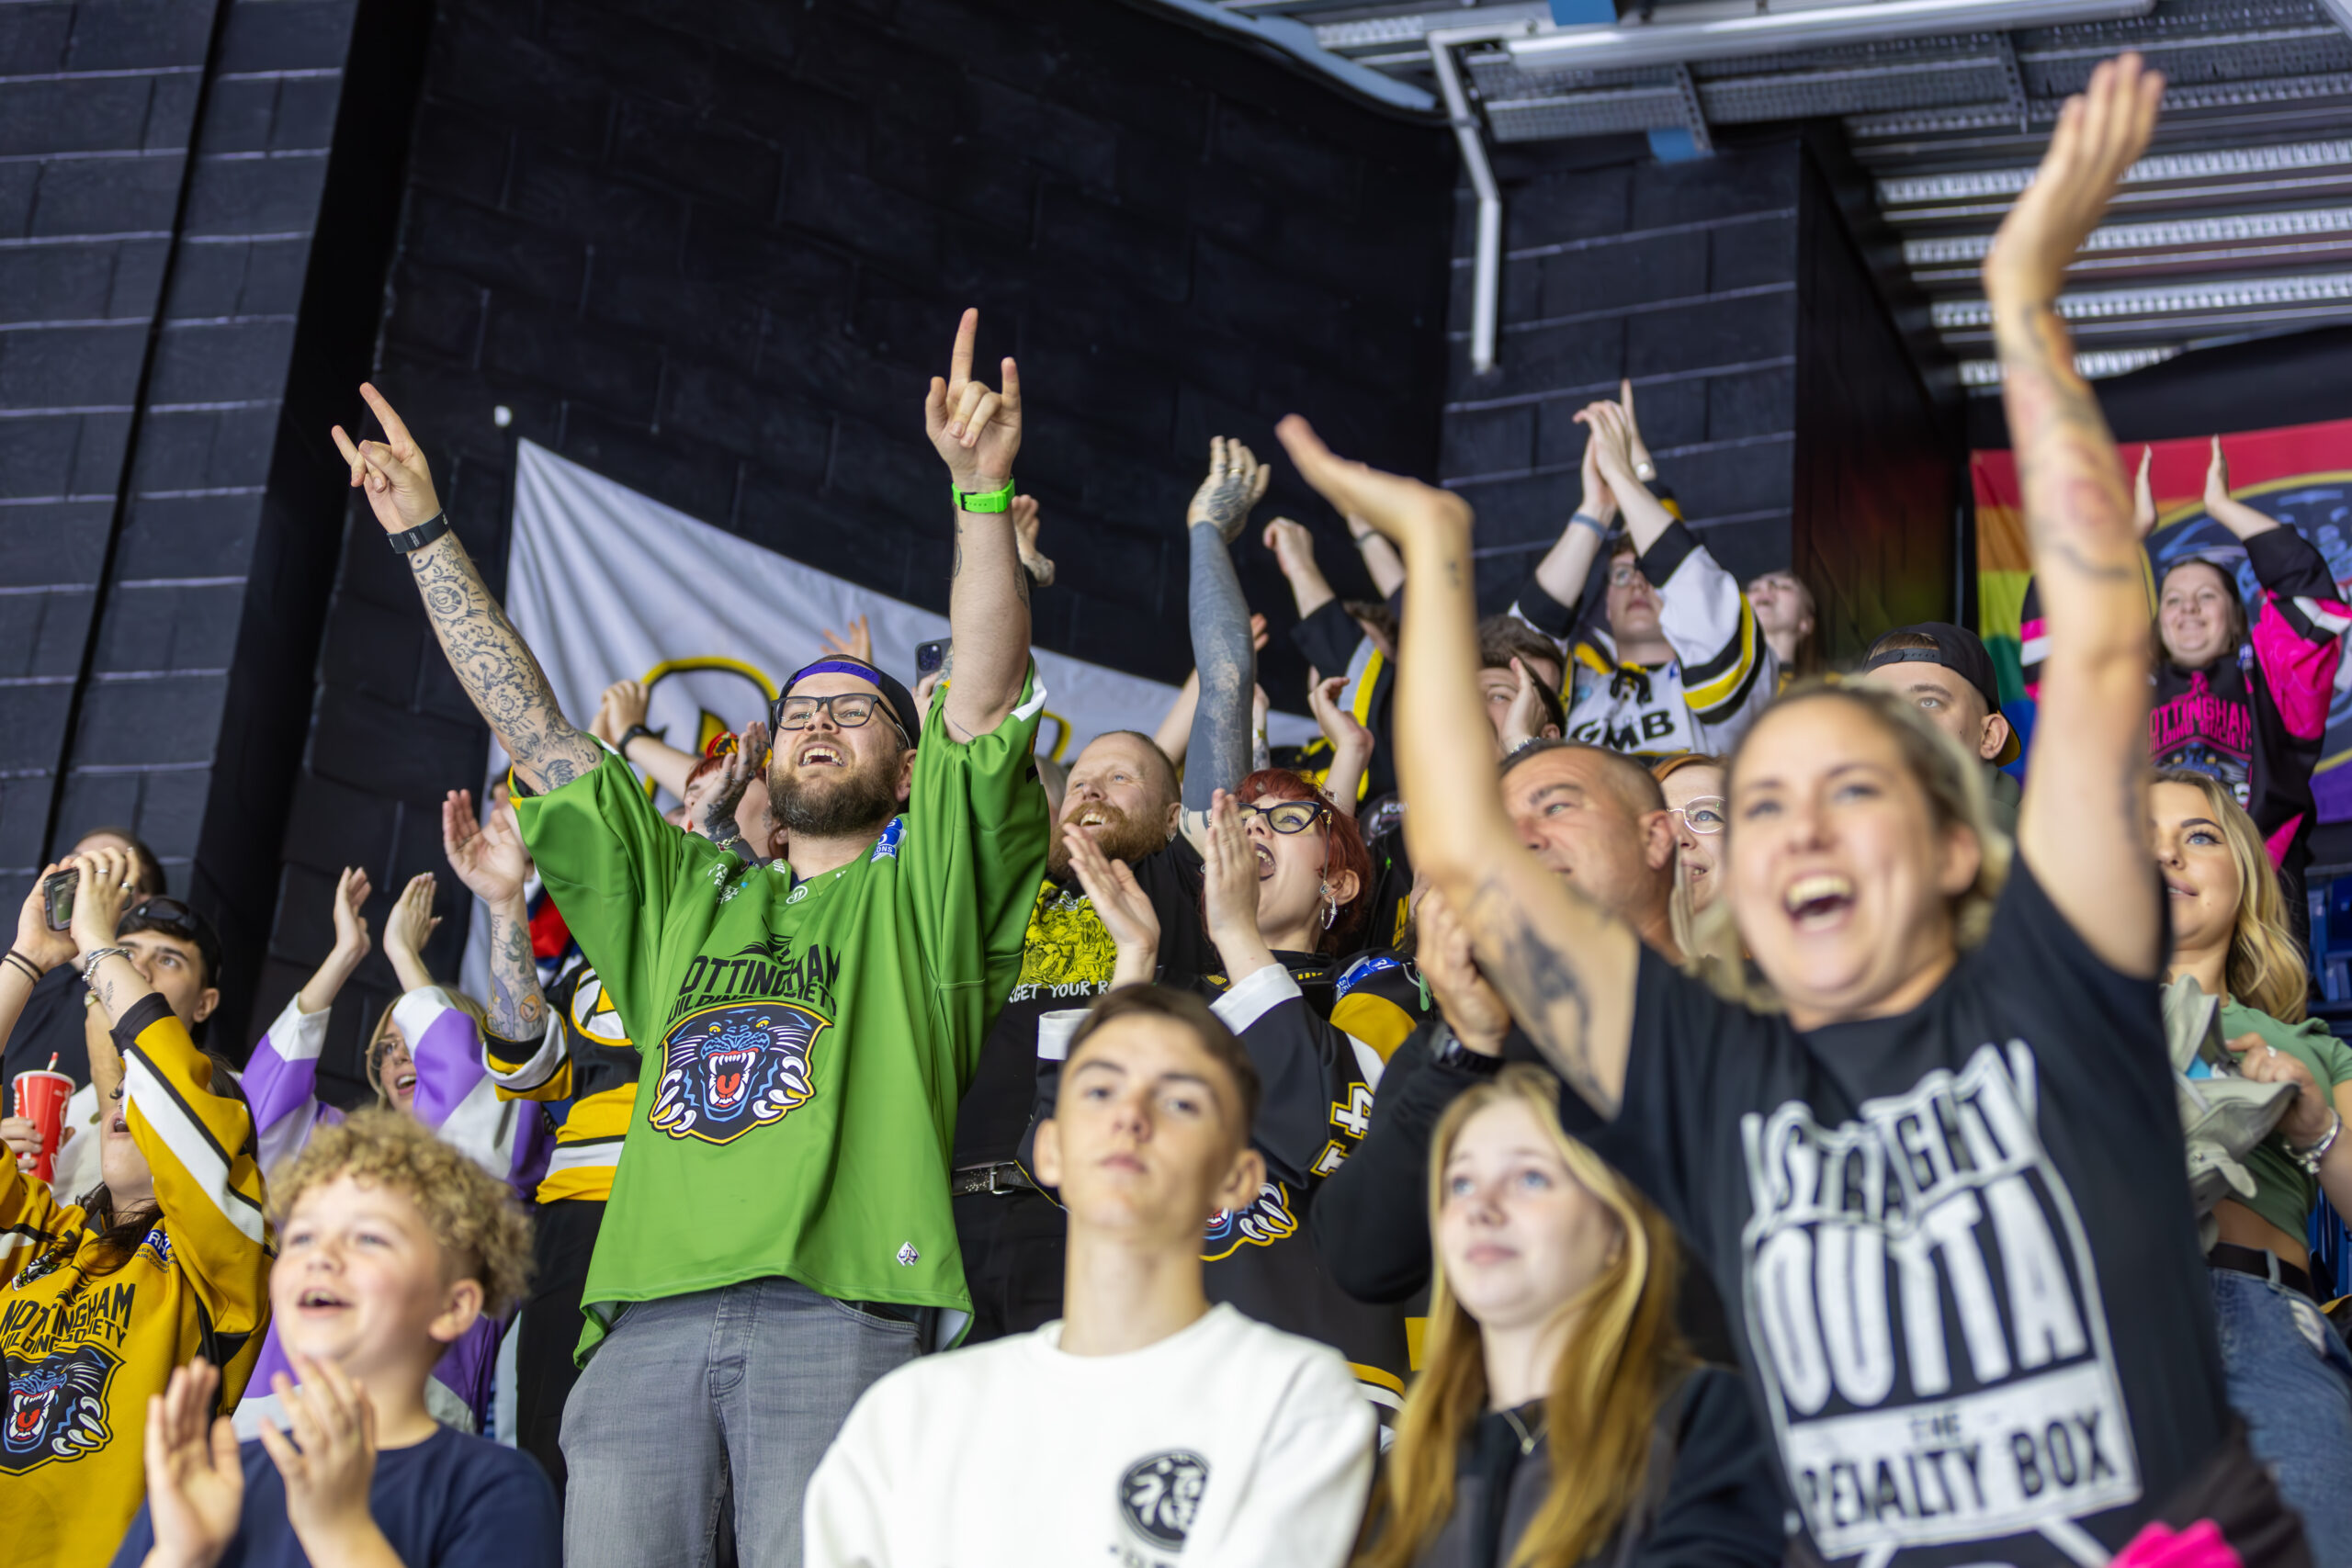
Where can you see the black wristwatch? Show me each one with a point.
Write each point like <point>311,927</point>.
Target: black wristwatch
<point>423,534</point>
<point>631,733</point>
<point>1446,1049</point>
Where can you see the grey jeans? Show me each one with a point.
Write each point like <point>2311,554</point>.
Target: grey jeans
<point>752,1381</point>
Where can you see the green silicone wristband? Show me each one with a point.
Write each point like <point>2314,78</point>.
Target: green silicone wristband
<point>983,500</point>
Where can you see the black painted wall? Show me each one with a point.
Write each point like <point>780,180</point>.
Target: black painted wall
<point>715,253</point>
<point>1680,276</point>
<point>174,321</point>
<point>1877,462</point>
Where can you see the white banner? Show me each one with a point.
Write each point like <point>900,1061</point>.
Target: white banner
<point>607,584</point>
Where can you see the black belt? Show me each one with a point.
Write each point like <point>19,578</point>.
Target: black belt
<point>2262,1265</point>
<point>997,1180</point>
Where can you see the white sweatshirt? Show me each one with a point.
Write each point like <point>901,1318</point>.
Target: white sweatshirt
<point>1228,1443</point>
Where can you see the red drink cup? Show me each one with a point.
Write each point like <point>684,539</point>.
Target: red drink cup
<point>40,1099</point>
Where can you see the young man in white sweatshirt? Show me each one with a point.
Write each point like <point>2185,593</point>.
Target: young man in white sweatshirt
<point>1147,1428</point>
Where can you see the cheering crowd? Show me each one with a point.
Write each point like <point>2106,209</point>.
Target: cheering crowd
<point>1651,1101</point>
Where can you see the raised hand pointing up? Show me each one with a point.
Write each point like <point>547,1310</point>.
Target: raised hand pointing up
<point>976,431</point>
<point>393,471</point>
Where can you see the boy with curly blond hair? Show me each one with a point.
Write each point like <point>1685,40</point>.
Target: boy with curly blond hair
<point>390,1243</point>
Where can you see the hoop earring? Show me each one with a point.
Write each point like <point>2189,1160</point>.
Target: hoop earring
<point>1330,907</point>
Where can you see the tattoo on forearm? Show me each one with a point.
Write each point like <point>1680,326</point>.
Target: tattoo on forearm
<point>1546,994</point>
<point>518,1007</point>
<point>496,668</point>
<point>2077,510</point>
<point>1218,751</point>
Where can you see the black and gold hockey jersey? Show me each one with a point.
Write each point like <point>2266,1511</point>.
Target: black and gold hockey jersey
<point>583,1073</point>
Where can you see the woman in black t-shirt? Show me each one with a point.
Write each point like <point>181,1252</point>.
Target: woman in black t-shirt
<point>1935,1162</point>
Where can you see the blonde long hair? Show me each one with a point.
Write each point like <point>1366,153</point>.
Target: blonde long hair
<point>1622,1359</point>
<point>2266,969</point>
<point>371,1059</point>
<point>1953,783</point>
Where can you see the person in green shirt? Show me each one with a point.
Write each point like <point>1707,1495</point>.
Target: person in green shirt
<point>779,1233</point>
<point>2289,1372</point>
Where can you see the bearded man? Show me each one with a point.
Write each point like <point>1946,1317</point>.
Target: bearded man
<point>779,1235</point>
<point>1123,793</point>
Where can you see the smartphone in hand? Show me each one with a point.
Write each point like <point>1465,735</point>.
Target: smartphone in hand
<point>932,657</point>
<point>57,898</point>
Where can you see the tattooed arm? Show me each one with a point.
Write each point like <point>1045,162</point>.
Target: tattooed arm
<point>1218,753</point>
<point>2082,825</point>
<point>497,670</point>
<point>489,859</point>
<point>1566,968</point>
<point>978,433</point>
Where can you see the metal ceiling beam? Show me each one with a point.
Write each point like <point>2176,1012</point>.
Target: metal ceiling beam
<point>1725,29</point>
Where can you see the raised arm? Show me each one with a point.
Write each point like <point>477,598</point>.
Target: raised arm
<point>2083,825</point>
<point>489,859</point>
<point>1567,565</point>
<point>508,688</point>
<point>1224,654</point>
<point>978,433</point>
<point>1380,557</point>
<point>2223,507</point>
<point>1566,968</point>
<point>621,724</point>
<point>408,928</point>
<point>1293,548</point>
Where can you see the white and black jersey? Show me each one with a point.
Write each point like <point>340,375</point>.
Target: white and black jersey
<point>1704,699</point>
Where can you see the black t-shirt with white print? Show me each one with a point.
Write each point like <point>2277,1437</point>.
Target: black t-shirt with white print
<point>1957,1243</point>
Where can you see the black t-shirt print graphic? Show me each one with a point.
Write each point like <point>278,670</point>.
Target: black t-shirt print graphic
<point>1957,1242</point>
<point>1861,1233</point>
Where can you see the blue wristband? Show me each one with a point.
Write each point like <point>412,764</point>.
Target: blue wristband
<point>1587,520</point>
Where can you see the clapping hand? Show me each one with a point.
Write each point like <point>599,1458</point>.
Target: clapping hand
<point>328,1476</point>
<point>351,891</point>
<point>734,776</point>
<point>1525,719</point>
<point>393,471</point>
<point>1025,524</point>
<point>1611,445</point>
<point>1230,864</point>
<point>1347,734</point>
<point>196,1479</point>
<point>1441,953</point>
<point>1120,904</point>
<point>2143,493</point>
<point>618,711</point>
<point>858,644</point>
<point>488,857</point>
<point>976,432</point>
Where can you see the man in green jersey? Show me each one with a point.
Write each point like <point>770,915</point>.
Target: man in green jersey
<point>779,1233</point>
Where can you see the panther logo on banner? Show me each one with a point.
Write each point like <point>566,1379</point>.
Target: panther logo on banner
<point>1927,1320</point>
<point>57,1407</point>
<point>734,1067</point>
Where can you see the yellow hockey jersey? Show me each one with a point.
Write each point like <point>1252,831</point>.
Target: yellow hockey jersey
<point>85,1345</point>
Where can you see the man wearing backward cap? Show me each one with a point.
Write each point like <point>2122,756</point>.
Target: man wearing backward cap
<point>1945,670</point>
<point>779,1233</point>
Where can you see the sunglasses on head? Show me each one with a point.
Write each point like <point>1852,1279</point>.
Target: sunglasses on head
<point>165,914</point>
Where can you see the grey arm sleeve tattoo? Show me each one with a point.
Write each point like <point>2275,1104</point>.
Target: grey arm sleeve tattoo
<point>1217,757</point>
<point>518,1009</point>
<point>508,688</point>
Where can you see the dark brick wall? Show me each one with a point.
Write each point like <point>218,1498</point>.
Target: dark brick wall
<point>1777,386</point>
<point>1680,276</point>
<point>1877,459</point>
<point>165,311</point>
<point>715,252</point>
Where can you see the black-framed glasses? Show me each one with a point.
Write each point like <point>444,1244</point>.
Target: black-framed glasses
<point>1703,815</point>
<point>1290,815</point>
<point>849,710</point>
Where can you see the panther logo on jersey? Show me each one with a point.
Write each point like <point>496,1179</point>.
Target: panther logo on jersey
<point>733,1068</point>
<point>57,1407</point>
<point>1267,1220</point>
